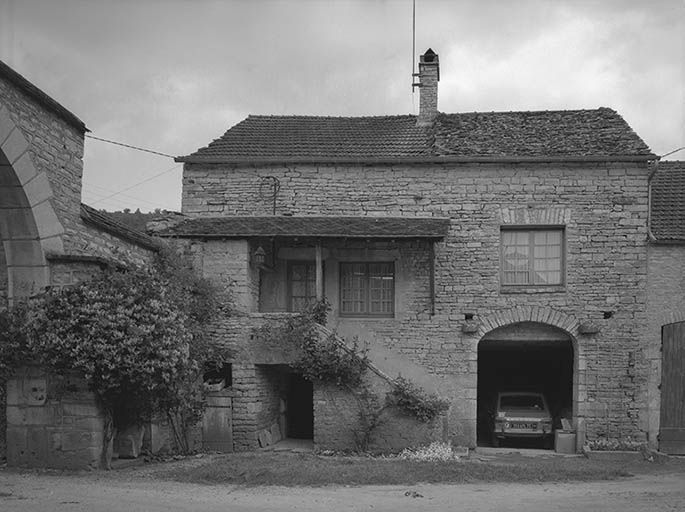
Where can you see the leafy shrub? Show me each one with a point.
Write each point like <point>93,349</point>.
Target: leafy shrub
<point>416,401</point>
<point>322,358</point>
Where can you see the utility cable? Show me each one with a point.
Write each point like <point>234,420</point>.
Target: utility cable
<point>129,146</point>
<point>671,152</point>
<point>140,183</point>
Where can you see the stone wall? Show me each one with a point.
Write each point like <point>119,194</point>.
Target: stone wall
<point>52,422</point>
<point>603,209</point>
<point>338,426</point>
<point>271,386</point>
<point>50,167</point>
<point>666,305</point>
<point>92,241</point>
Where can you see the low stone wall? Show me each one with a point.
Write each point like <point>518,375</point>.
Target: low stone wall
<point>52,422</point>
<point>338,426</point>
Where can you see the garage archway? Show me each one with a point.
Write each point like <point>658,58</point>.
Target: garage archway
<point>525,356</point>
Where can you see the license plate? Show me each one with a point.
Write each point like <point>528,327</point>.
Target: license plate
<point>529,426</point>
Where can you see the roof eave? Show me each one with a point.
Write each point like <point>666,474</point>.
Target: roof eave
<point>38,95</point>
<point>667,241</point>
<point>91,216</point>
<point>190,159</point>
<point>281,235</point>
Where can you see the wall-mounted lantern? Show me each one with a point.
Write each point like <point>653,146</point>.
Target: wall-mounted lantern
<point>259,256</point>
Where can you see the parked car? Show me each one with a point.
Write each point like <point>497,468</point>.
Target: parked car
<point>522,414</point>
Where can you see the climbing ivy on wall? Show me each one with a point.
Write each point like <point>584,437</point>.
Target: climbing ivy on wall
<point>136,335</point>
<point>324,358</point>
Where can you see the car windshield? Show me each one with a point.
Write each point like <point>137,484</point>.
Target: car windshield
<point>521,401</point>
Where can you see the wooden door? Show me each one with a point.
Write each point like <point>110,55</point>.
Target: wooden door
<point>672,431</point>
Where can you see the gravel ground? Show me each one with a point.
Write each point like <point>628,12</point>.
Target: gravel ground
<point>655,487</point>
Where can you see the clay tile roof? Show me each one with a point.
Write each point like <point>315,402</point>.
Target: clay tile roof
<point>108,224</point>
<point>668,202</point>
<point>563,134</point>
<point>321,227</point>
<point>300,137</point>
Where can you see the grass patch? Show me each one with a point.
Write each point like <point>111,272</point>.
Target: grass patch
<point>289,469</point>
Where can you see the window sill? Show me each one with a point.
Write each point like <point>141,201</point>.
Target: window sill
<point>506,290</point>
<point>362,317</point>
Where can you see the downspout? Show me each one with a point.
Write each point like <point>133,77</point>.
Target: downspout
<point>650,235</point>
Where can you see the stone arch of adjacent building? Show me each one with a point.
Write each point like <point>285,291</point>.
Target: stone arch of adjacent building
<point>671,317</point>
<point>29,226</point>
<point>554,321</point>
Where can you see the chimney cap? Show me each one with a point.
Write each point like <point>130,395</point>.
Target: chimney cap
<point>430,57</point>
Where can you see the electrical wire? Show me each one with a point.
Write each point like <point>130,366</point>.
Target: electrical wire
<point>129,146</point>
<point>89,190</point>
<point>140,183</point>
<point>671,152</point>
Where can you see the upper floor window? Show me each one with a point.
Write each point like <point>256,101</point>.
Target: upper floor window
<point>301,285</point>
<point>367,289</point>
<point>532,257</point>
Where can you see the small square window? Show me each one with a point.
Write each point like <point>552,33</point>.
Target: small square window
<point>367,289</point>
<point>532,257</point>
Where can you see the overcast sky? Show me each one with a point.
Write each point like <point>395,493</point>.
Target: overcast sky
<point>174,75</point>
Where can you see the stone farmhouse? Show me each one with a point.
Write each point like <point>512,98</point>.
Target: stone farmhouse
<point>473,252</point>
<point>49,239</point>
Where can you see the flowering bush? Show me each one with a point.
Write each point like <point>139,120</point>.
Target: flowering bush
<point>433,452</point>
<point>624,444</point>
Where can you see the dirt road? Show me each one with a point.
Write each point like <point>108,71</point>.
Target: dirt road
<point>102,493</point>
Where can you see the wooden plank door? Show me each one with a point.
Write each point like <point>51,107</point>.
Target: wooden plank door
<point>672,431</point>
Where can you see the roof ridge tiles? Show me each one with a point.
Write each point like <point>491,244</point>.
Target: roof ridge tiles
<point>314,116</point>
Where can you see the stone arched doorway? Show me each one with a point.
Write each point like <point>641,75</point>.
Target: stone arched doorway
<point>28,223</point>
<point>526,356</point>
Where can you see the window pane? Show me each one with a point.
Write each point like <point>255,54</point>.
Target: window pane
<point>302,280</point>
<point>515,260</point>
<point>367,288</point>
<point>520,266</point>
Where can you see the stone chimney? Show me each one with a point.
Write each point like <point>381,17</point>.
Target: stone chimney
<point>429,76</point>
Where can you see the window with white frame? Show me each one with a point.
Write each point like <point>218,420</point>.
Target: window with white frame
<point>532,257</point>
<point>367,289</point>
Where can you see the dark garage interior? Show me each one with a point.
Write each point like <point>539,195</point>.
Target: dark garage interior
<point>524,357</point>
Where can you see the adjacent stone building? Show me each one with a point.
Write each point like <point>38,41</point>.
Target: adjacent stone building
<point>473,252</point>
<point>665,339</point>
<point>49,239</point>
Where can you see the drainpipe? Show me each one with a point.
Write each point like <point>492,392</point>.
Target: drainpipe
<point>319,271</point>
<point>650,235</point>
